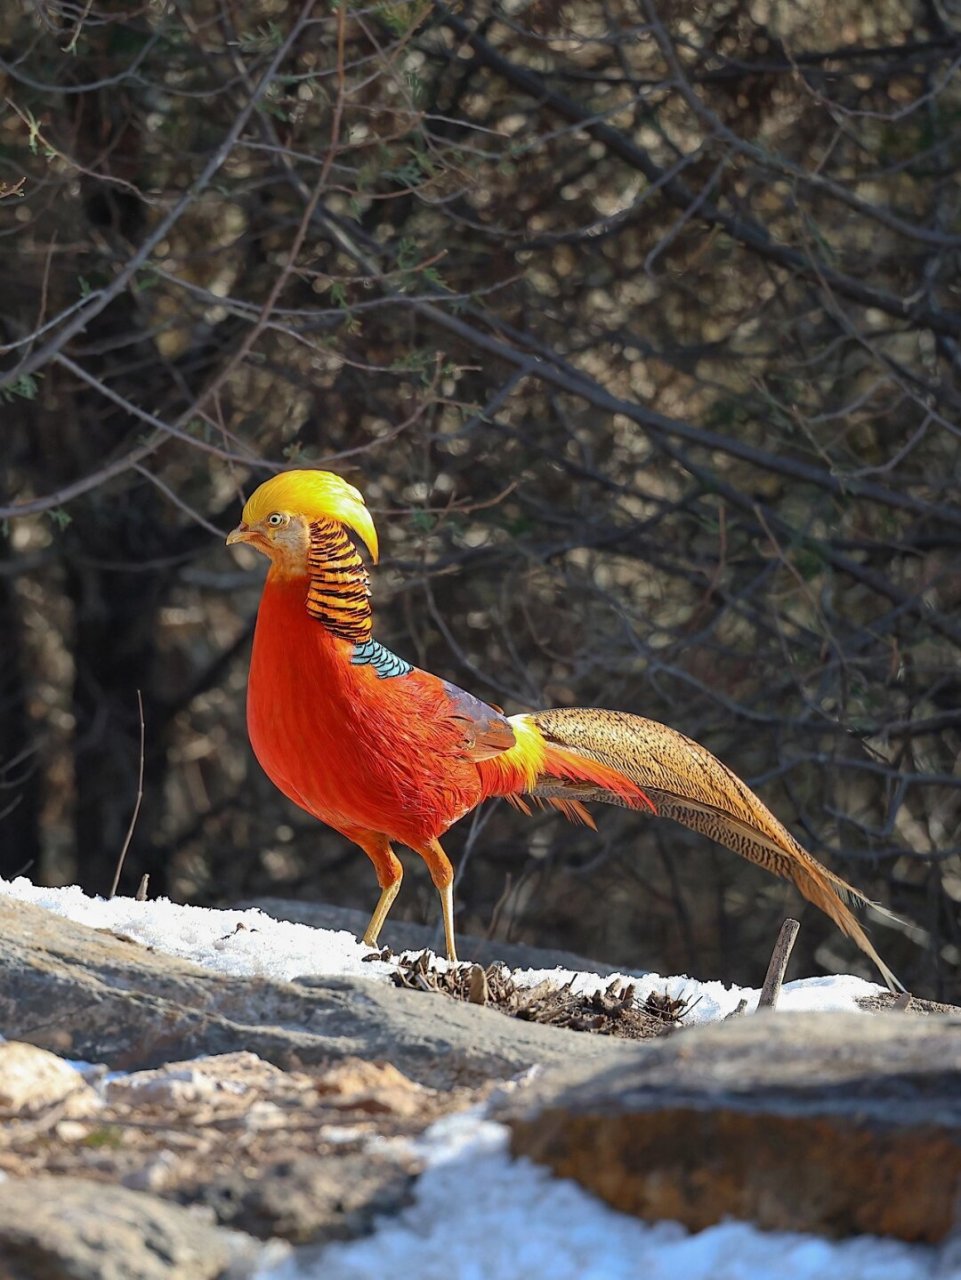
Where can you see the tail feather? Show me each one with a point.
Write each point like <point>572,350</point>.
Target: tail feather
<point>682,780</point>
<point>533,756</point>
<point>571,808</point>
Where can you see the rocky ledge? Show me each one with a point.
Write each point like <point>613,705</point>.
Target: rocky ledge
<point>254,1111</point>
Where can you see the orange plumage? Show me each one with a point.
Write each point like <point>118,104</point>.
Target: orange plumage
<point>384,752</point>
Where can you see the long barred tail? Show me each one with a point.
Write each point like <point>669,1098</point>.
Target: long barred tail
<point>679,779</point>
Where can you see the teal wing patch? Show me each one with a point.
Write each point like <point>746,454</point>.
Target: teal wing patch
<point>373,654</point>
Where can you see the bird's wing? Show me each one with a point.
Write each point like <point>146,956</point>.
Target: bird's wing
<point>487,732</point>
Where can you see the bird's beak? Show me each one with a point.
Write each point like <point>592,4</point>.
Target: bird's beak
<point>241,534</point>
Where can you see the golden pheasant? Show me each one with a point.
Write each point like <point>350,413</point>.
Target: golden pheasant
<point>386,753</point>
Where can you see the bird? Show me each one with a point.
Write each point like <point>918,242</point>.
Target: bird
<point>388,754</point>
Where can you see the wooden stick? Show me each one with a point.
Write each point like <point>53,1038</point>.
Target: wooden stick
<point>136,808</point>
<point>478,992</point>
<point>779,957</point>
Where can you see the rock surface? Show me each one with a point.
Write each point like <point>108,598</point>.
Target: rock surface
<point>270,1106</point>
<point>68,1229</point>
<point>32,1078</point>
<point>258,1108</point>
<point>275,1153</point>
<point>831,1123</point>
<point>87,994</point>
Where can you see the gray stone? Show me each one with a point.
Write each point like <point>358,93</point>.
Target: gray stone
<point>73,1229</point>
<point>32,1078</point>
<point>85,993</point>
<point>310,1198</point>
<point>833,1123</point>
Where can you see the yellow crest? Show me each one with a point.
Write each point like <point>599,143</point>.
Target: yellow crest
<point>317,495</point>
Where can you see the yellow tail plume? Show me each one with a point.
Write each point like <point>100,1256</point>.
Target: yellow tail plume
<point>685,782</point>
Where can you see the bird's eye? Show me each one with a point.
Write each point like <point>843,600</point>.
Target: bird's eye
<point>275,520</point>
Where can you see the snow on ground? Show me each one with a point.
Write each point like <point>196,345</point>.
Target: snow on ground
<point>477,1214</point>
<point>247,943</point>
<point>244,943</point>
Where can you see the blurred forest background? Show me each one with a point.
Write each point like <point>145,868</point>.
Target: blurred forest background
<point>638,325</point>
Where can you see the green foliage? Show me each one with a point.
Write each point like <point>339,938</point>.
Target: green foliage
<point>264,39</point>
<point>412,270</point>
<point>808,560</point>
<point>26,387</point>
<point>104,1138</point>
<point>60,517</point>
<point>400,17</point>
<point>146,278</point>
<point>422,521</point>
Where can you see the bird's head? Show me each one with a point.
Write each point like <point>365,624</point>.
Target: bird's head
<point>278,516</point>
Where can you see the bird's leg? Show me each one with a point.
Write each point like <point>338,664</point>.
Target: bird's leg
<point>442,874</point>
<point>384,903</point>
<point>389,875</point>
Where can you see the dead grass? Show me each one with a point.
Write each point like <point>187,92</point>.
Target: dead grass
<point>614,1011</point>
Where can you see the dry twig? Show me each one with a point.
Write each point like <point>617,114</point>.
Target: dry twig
<point>780,956</point>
